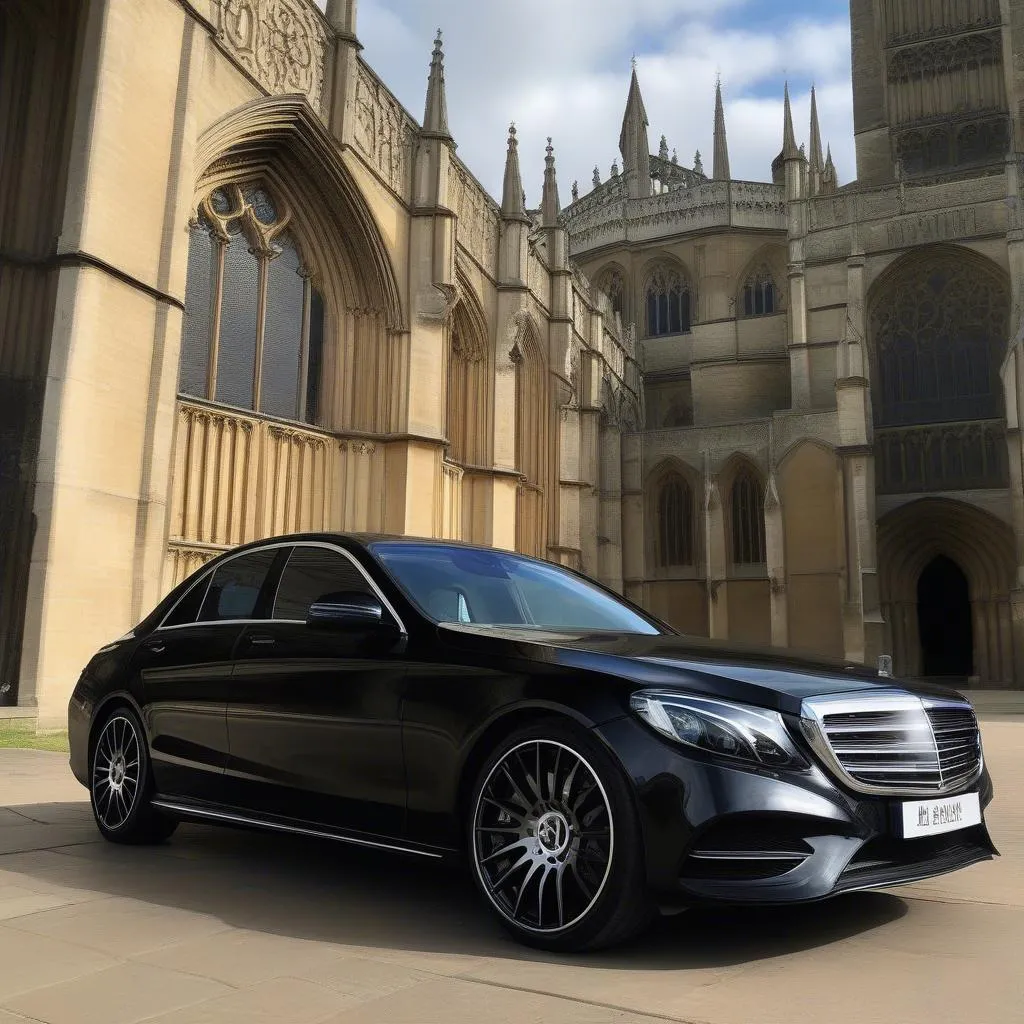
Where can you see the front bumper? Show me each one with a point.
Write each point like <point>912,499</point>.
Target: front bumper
<point>786,837</point>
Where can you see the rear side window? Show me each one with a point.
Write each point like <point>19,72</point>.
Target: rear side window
<point>186,611</point>
<point>235,588</point>
<point>313,573</point>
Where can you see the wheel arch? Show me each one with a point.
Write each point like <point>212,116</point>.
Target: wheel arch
<point>107,704</point>
<point>499,726</point>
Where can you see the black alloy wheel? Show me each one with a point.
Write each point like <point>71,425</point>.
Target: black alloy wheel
<point>121,786</point>
<point>555,843</point>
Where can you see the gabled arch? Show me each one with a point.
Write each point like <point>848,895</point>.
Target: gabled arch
<point>281,139</point>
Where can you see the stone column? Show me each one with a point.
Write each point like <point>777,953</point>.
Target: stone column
<point>610,529</point>
<point>775,545</point>
<point>716,548</point>
<point>634,566</point>
<point>799,353</point>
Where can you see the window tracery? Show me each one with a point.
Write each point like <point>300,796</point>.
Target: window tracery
<point>668,303</point>
<point>748,534</point>
<point>253,332</point>
<point>676,523</point>
<point>939,332</point>
<point>759,294</point>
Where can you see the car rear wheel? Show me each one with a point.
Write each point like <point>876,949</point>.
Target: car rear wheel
<point>555,841</point>
<point>121,785</point>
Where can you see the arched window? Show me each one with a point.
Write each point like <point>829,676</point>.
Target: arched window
<point>939,331</point>
<point>675,522</point>
<point>748,544</point>
<point>254,323</point>
<point>668,303</point>
<point>759,294</point>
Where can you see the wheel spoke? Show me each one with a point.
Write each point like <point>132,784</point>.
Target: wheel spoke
<point>557,829</point>
<point>505,851</point>
<point>524,802</point>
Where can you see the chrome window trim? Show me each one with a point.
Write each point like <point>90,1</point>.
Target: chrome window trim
<point>814,710</point>
<point>208,578</point>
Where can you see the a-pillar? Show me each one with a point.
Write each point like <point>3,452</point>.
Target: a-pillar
<point>775,554</point>
<point>717,569</point>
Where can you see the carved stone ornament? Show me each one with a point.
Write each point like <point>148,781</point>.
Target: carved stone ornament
<point>383,131</point>
<point>771,496</point>
<point>777,585</point>
<point>281,43</point>
<point>713,586</point>
<point>712,499</point>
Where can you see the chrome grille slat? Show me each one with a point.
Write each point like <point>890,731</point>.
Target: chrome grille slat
<point>896,743</point>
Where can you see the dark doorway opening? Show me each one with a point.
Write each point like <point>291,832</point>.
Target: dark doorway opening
<point>944,620</point>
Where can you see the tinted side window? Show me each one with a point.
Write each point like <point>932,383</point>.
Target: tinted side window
<point>187,609</point>
<point>235,589</point>
<point>312,573</point>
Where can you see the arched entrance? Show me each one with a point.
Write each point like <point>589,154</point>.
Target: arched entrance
<point>944,620</point>
<point>945,576</point>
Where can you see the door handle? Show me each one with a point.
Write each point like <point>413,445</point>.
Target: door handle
<point>156,647</point>
<point>261,640</point>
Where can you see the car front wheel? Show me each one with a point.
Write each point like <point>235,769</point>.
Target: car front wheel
<point>555,841</point>
<point>120,785</point>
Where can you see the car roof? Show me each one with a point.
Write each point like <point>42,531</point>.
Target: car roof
<point>360,539</point>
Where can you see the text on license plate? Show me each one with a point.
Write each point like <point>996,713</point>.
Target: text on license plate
<point>933,817</point>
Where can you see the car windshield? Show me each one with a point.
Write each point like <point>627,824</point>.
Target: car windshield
<point>497,588</point>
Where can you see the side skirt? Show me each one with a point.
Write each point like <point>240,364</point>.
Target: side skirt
<point>204,813</point>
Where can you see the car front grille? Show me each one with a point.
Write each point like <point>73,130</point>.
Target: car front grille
<point>896,743</point>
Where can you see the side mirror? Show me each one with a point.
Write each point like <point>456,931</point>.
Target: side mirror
<point>346,613</point>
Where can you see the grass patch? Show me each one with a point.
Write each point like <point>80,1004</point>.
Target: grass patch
<point>27,739</point>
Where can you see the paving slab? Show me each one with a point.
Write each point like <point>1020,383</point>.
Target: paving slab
<point>221,926</point>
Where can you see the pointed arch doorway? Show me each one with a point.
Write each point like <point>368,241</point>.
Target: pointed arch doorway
<point>944,620</point>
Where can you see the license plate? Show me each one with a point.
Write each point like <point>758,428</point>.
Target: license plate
<point>933,817</point>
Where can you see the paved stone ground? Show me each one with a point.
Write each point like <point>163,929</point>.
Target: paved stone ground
<point>219,927</point>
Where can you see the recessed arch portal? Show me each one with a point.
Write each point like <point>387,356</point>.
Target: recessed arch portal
<point>916,543</point>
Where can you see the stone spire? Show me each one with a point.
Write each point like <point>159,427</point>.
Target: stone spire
<point>721,169</point>
<point>817,157</point>
<point>550,206</point>
<point>663,149</point>
<point>634,144</point>
<point>435,118</point>
<point>829,177</point>
<point>789,147</point>
<point>512,205</point>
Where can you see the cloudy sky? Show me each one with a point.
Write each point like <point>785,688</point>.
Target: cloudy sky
<point>561,68</point>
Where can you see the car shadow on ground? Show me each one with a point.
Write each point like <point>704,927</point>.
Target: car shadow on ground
<point>327,892</point>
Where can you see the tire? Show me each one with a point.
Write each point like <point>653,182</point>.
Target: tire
<point>560,863</point>
<point>121,783</point>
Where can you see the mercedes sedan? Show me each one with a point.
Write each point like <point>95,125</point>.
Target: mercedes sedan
<point>591,765</point>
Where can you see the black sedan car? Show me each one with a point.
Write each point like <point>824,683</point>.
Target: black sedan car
<point>594,767</point>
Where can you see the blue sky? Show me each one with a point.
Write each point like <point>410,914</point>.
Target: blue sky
<point>561,68</point>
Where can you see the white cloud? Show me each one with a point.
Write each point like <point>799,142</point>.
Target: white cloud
<point>561,68</point>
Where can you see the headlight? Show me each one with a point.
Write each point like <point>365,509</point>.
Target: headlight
<point>729,730</point>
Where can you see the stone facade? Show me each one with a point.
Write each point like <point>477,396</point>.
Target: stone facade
<point>831,457</point>
<point>250,294</point>
<point>243,292</point>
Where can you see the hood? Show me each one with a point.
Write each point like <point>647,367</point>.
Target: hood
<point>764,677</point>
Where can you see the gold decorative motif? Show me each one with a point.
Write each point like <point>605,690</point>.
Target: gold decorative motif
<point>282,43</point>
<point>383,131</point>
